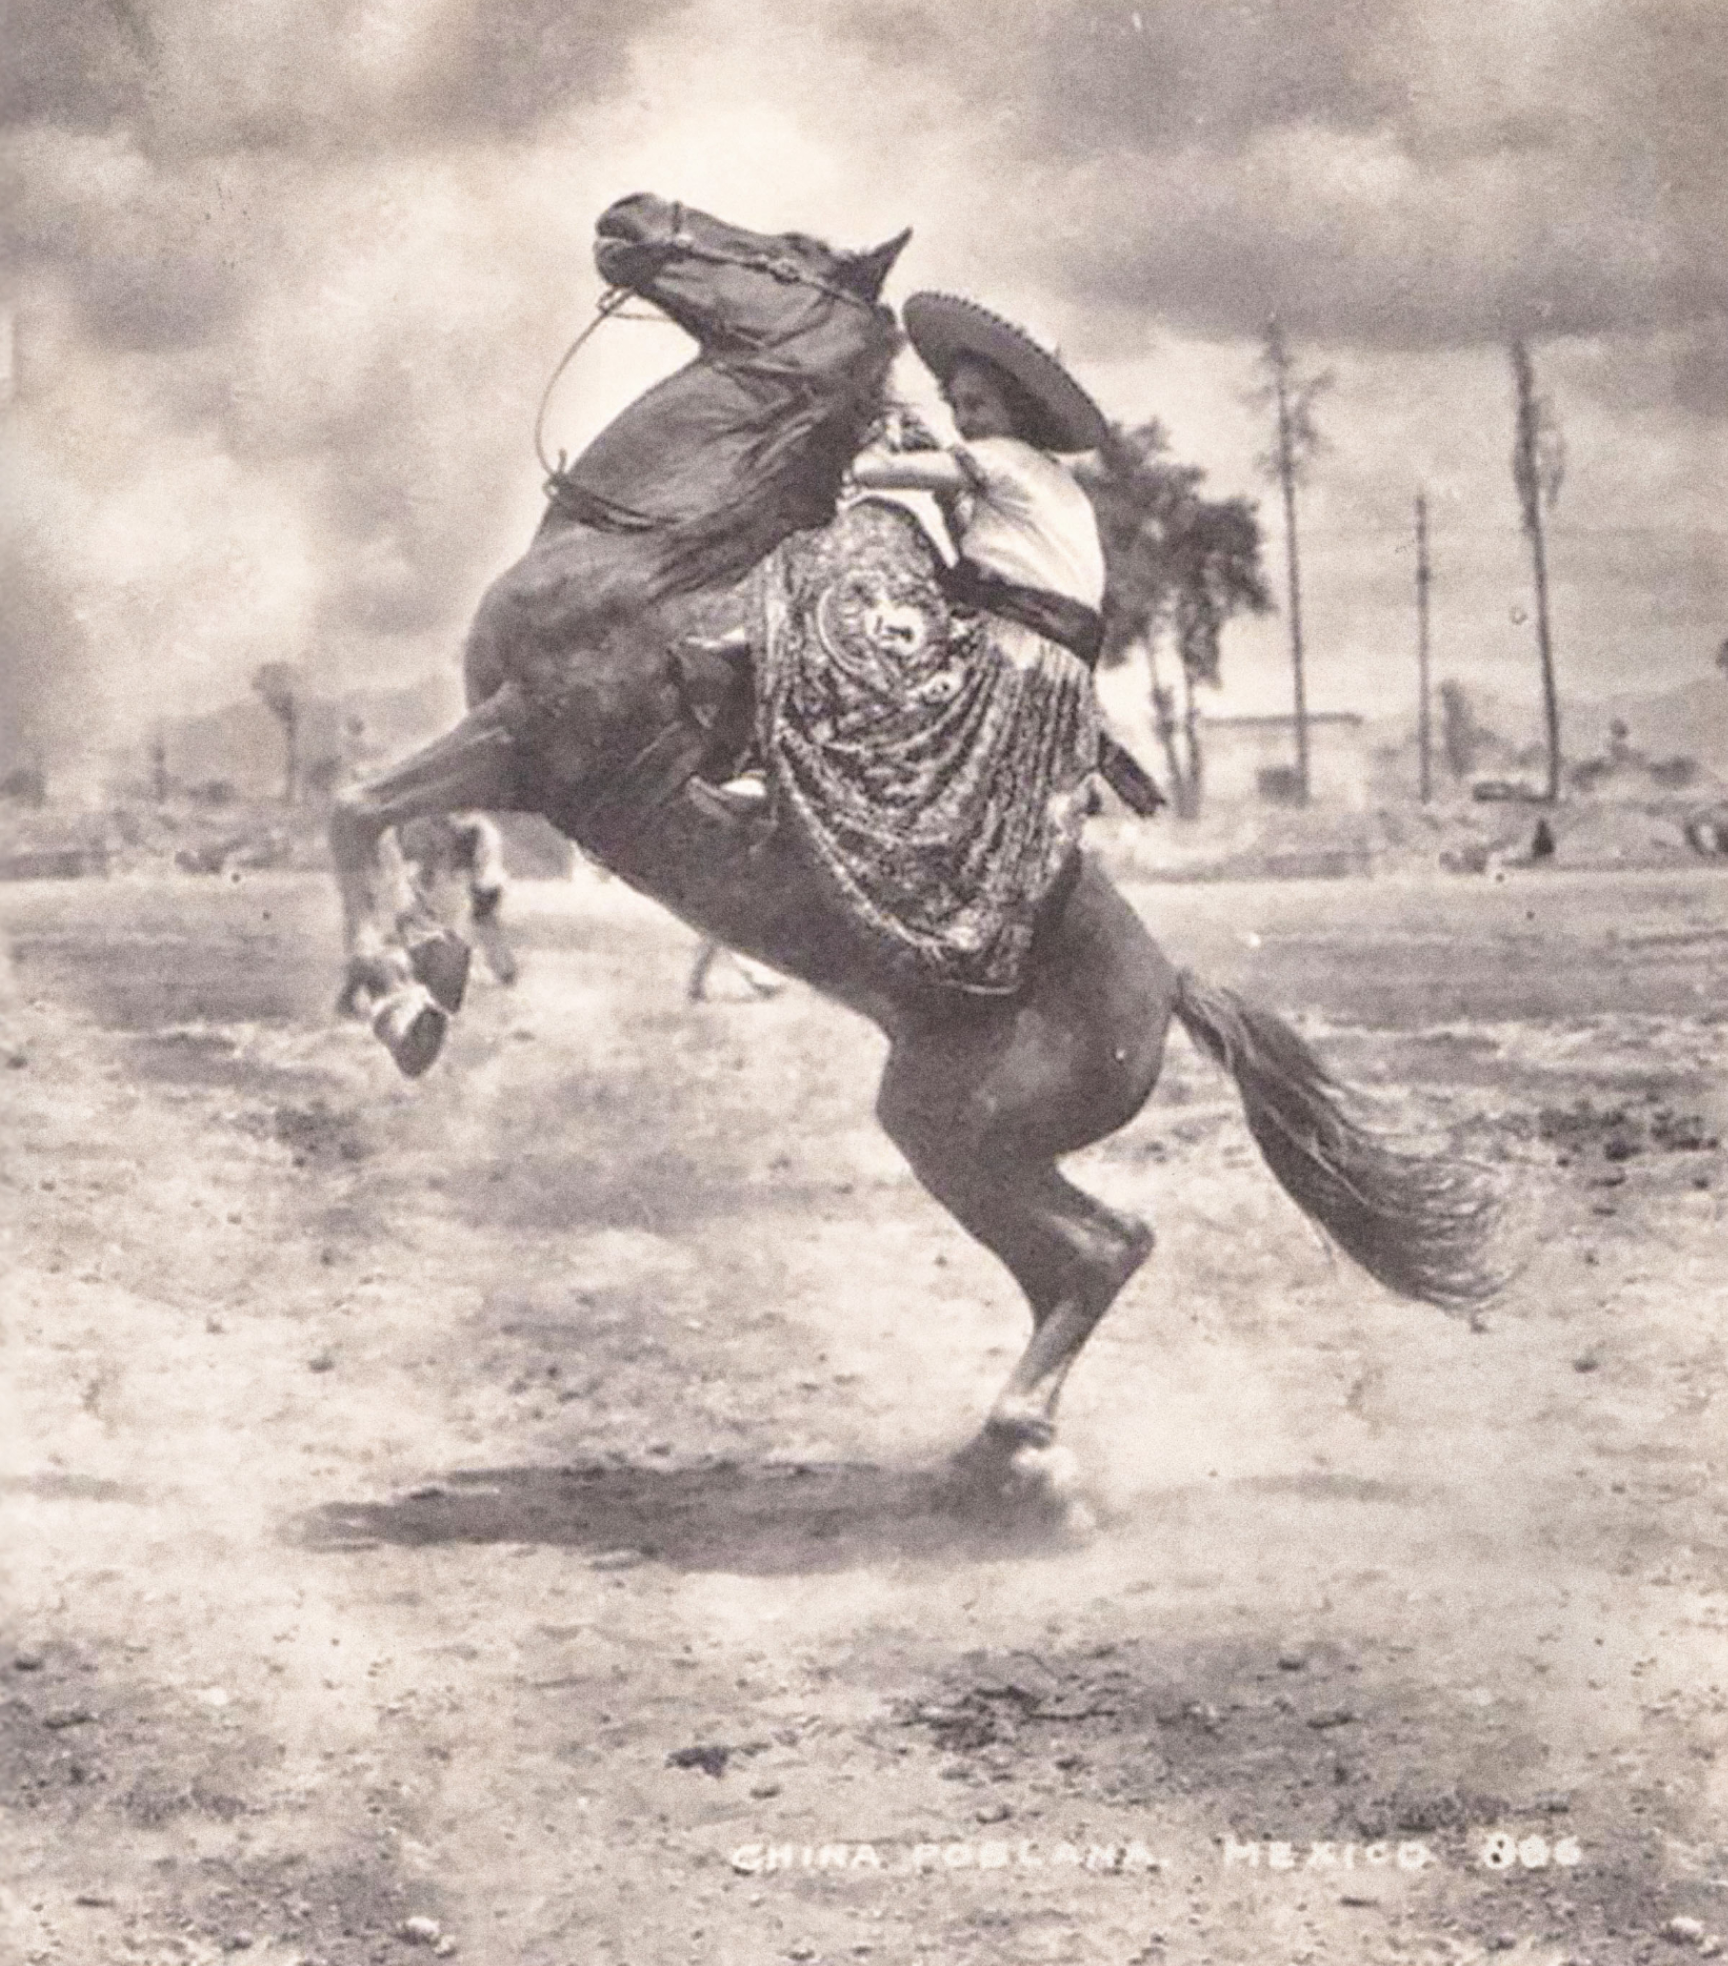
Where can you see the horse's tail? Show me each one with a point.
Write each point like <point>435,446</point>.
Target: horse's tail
<point>1419,1223</point>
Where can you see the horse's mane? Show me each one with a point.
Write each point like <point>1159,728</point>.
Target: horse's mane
<point>736,459</point>
<point>790,481</point>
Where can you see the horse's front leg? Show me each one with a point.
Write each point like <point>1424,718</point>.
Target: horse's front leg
<point>411,982</point>
<point>377,892</point>
<point>486,901</point>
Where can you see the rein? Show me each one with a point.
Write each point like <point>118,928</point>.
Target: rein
<point>608,304</point>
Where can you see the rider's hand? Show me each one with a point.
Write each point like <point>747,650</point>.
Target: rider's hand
<point>905,430</point>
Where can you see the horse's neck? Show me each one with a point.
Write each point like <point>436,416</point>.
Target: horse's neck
<point>717,467</point>
<point>676,453</point>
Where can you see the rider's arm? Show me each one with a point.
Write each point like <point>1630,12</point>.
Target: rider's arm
<point>931,471</point>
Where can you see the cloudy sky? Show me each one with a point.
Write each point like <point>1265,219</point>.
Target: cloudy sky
<point>285,279</point>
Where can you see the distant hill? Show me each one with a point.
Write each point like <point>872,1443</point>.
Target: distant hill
<point>1690,720</point>
<point>240,743</point>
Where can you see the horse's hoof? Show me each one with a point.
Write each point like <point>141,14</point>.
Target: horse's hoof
<point>411,1028</point>
<point>1018,1483</point>
<point>1044,1487</point>
<point>441,962</point>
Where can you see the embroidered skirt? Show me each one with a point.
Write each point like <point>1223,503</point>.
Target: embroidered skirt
<point>935,763</point>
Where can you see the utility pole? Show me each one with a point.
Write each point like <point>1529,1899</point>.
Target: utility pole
<point>1424,579</point>
<point>1537,467</point>
<point>1287,484</point>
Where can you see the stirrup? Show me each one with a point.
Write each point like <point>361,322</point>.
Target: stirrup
<point>739,799</point>
<point>736,641</point>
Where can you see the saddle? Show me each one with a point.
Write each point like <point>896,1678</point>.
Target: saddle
<point>715,680</point>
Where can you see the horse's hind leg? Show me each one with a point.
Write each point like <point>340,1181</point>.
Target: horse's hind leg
<point>410,988</point>
<point>984,1103</point>
<point>1109,1248</point>
<point>1069,1253</point>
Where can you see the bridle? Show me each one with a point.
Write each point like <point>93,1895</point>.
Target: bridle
<point>782,267</point>
<point>683,244</point>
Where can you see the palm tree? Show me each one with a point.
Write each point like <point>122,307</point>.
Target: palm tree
<point>1291,396</point>
<point>1180,566</point>
<point>278,684</point>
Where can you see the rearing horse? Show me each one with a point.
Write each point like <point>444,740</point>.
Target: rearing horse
<point>581,711</point>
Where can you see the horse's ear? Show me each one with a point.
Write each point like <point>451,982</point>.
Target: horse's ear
<point>863,273</point>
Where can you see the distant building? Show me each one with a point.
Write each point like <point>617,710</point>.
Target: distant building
<point>1252,760</point>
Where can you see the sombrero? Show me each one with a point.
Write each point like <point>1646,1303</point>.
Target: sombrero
<point>945,329</point>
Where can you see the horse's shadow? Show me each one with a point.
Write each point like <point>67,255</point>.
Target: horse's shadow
<point>760,1518</point>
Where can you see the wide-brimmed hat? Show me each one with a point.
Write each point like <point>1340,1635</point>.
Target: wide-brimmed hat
<point>945,329</point>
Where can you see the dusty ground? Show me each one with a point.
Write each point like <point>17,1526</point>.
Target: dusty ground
<point>493,1515</point>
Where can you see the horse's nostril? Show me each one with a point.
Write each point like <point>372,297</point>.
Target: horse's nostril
<point>625,218</point>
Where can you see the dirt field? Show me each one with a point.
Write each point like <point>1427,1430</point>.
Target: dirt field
<point>494,1516</point>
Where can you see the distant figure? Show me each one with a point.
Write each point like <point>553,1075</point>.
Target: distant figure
<point>455,863</point>
<point>1707,831</point>
<point>762,982</point>
<point>1542,845</point>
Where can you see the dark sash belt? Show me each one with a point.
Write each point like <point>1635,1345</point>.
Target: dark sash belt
<point>1080,630</point>
<point>1077,627</point>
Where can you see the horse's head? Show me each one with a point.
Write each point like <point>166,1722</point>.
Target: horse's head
<point>738,291</point>
<point>715,465</point>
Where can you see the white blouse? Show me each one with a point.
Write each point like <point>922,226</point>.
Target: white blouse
<point>1026,519</point>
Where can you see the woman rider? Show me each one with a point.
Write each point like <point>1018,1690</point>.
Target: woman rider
<point>943,785</point>
<point>1031,564</point>
<point>1028,541</point>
